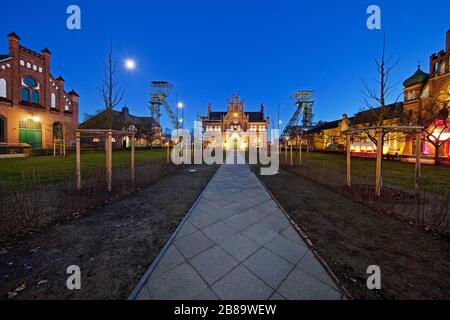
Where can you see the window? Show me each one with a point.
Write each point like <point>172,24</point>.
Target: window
<point>25,94</point>
<point>2,88</point>
<point>442,68</point>
<point>30,90</point>
<point>58,131</point>
<point>53,102</point>
<point>66,107</point>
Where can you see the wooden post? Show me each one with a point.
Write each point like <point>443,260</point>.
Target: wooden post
<point>285,152</point>
<point>109,160</point>
<point>378,177</point>
<point>291,156</point>
<point>349,155</point>
<point>418,155</point>
<point>300,152</point>
<point>132,159</point>
<point>168,152</point>
<point>78,160</point>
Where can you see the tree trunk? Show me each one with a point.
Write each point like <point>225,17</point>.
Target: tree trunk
<point>437,151</point>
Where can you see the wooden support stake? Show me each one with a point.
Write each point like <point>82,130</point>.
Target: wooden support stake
<point>418,155</point>
<point>78,160</point>
<point>378,177</point>
<point>109,160</point>
<point>168,152</point>
<point>285,153</point>
<point>300,153</point>
<point>349,177</point>
<point>132,159</point>
<point>291,156</point>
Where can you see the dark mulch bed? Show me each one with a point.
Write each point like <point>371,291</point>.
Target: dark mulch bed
<point>350,236</point>
<point>112,245</point>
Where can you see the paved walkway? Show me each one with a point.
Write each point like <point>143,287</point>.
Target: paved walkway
<point>237,245</point>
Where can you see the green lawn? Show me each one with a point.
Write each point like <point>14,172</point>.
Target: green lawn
<point>55,169</point>
<point>436,178</point>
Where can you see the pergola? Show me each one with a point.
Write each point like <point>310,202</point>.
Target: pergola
<point>108,134</point>
<point>380,131</point>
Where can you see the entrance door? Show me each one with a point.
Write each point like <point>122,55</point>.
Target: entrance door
<point>2,129</point>
<point>30,132</point>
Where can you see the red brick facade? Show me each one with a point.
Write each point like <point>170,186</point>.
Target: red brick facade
<point>31,98</point>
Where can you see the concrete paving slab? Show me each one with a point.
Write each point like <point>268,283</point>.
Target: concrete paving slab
<point>237,244</point>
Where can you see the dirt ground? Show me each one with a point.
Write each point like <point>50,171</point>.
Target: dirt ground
<point>113,245</point>
<point>350,237</point>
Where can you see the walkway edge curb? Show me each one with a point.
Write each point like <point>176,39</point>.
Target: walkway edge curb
<point>305,238</point>
<point>155,262</point>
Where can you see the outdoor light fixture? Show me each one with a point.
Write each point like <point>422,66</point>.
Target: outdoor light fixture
<point>180,105</point>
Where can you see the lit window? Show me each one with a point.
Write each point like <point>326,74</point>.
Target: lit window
<point>40,69</point>
<point>28,65</point>
<point>96,140</point>
<point>34,67</point>
<point>66,107</point>
<point>53,102</point>
<point>22,63</point>
<point>2,88</point>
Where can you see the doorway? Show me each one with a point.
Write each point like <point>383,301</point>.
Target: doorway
<point>30,132</point>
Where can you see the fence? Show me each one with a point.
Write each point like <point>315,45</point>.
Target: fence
<point>428,209</point>
<point>39,200</point>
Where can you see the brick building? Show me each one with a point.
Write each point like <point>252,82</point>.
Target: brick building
<point>236,121</point>
<point>35,108</point>
<point>147,130</point>
<point>426,95</point>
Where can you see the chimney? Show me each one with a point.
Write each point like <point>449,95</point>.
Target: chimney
<point>447,43</point>
<point>209,108</point>
<point>13,43</point>
<point>433,59</point>
<point>46,53</point>
<point>61,81</point>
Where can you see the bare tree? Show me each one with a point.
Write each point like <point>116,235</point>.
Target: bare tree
<point>434,118</point>
<point>110,91</point>
<point>375,98</point>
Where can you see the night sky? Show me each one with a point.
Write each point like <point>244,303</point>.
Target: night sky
<point>210,49</point>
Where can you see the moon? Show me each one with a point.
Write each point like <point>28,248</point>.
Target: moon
<point>130,64</point>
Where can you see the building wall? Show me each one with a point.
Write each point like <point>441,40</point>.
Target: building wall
<point>63,108</point>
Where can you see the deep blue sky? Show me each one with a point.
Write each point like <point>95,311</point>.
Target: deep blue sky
<point>210,49</point>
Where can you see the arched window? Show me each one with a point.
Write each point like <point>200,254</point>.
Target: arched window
<point>58,131</point>
<point>53,100</point>
<point>30,90</point>
<point>2,88</point>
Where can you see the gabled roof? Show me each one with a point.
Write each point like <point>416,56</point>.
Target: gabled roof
<point>418,77</point>
<point>393,110</point>
<point>121,120</point>
<point>324,126</point>
<point>4,56</point>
